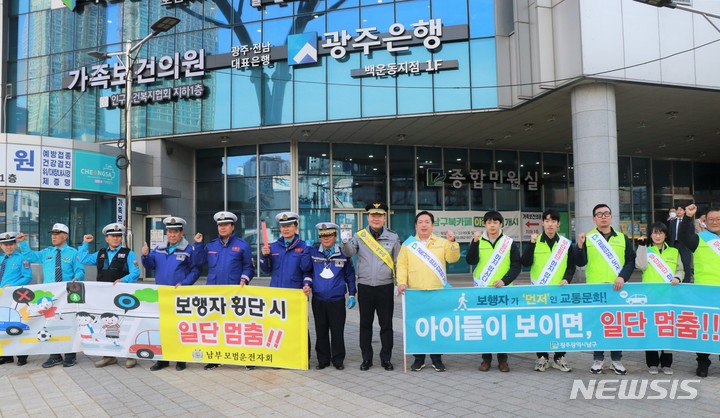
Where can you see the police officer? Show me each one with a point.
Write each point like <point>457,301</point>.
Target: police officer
<point>377,248</point>
<point>173,264</point>
<point>229,258</point>
<point>14,271</point>
<point>330,275</point>
<point>115,264</point>
<point>282,258</point>
<point>60,264</point>
<point>610,258</point>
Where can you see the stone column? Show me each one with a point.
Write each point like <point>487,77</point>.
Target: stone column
<point>595,152</point>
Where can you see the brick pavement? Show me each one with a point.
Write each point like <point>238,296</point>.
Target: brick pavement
<point>115,391</point>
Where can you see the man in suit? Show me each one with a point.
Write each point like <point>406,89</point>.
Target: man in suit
<point>685,254</point>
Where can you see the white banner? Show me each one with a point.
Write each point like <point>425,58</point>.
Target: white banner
<point>23,165</point>
<point>56,169</point>
<point>465,223</point>
<point>531,223</point>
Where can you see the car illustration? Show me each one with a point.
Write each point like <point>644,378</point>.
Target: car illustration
<point>636,299</point>
<point>147,345</point>
<point>11,322</point>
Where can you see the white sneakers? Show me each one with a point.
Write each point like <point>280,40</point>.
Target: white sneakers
<point>618,367</point>
<point>541,364</point>
<point>596,367</point>
<point>653,370</point>
<point>561,364</point>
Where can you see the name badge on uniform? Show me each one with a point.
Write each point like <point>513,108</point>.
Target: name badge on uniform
<point>102,255</point>
<point>26,264</point>
<point>121,255</point>
<point>180,257</point>
<point>339,263</point>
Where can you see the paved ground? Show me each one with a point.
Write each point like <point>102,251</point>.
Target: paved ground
<point>115,391</point>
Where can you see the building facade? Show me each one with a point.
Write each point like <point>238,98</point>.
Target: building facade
<point>322,106</point>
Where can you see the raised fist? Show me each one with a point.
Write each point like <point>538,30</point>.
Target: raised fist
<point>533,238</point>
<point>581,240</point>
<point>345,236</point>
<point>691,210</point>
<point>198,237</point>
<point>88,238</point>
<point>145,249</point>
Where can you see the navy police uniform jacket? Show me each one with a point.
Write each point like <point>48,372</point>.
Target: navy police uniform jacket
<point>173,264</point>
<point>227,263</point>
<point>283,263</point>
<point>314,261</point>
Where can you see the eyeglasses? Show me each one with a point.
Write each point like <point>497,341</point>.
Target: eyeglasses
<point>603,214</point>
<point>712,220</point>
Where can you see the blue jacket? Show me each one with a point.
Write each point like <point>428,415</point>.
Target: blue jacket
<point>227,263</point>
<point>70,263</point>
<point>284,263</point>
<point>173,264</point>
<point>313,263</point>
<point>17,270</point>
<point>91,260</point>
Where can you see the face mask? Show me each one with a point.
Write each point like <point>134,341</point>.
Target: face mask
<point>673,215</point>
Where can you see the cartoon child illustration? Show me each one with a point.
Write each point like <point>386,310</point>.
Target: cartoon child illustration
<point>46,308</point>
<point>85,321</point>
<point>111,326</point>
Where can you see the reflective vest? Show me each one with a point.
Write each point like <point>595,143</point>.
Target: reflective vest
<point>540,258</point>
<point>116,269</point>
<point>598,270</point>
<point>670,256</point>
<point>707,264</point>
<point>486,250</point>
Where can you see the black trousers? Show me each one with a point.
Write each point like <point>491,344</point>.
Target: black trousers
<point>688,262</point>
<point>433,357</point>
<point>658,358</point>
<point>378,299</point>
<point>329,319</point>
<point>703,359</point>
<point>557,355</point>
<point>502,357</point>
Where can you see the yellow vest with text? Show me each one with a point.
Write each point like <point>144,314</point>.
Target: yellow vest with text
<point>540,259</point>
<point>597,269</point>
<point>707,264</point>
<point>670,255</point>
<point>486,250</point>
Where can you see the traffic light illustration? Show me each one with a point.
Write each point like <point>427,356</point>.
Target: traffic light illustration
<point>76,292</point>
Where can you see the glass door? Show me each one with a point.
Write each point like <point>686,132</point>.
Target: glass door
<point>348,220</point>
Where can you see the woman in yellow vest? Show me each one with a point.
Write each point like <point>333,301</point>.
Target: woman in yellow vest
<point>660,263</point>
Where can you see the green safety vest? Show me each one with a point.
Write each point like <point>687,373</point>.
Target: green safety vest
<point>597,269</point>
<point>707,264</point>
<point>670,256</point>
<point>486,251</point>
<point>540,259</point>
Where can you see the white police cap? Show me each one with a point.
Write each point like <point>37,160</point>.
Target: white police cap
<point>7,237</point>
<point>60,228</point>
<point>173,222</point>
<point>287,218</point>
<point>327,228</point>
<point>113,229</point>
<point>225,218</point>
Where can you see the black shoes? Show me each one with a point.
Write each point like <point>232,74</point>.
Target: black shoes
<point>180,366</point>
<point>159,365</point>
<point>366,365</point>
<point>340,366</point>
<point>702,370</point>
<point>321,366</point>
<point>211,366</point>
<point>386,365</point>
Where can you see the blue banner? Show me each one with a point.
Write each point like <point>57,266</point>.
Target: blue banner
<point>523,319</point>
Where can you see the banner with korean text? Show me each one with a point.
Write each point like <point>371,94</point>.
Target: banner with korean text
<point>205,324</point>
<point>653,316</point>
<point>229,324</point>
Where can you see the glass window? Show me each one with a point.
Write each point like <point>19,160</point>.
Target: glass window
<point>17,115</point>
<point>246,97</point>
<point>56,209</point>
<point>38,74</point>
<point>532,199</point>
<point>359,175</point>
<point>452,12</point>
<point>136,19</point>
<point>37,43</point>
<point>314,192</point>
<point>625,185</point>
<point>18,38</point>
<point>275,177</point>
<point>682,177</point>
<point>38,107</point>
<point>84,122</point>
<point>507,198</point>
<point>107,120</point>
<point>111,19</point>
<point>308,219</point>
<point>430,177</point>
<point>337,20</point>
<point>310,92</point>
<point>86,28</point>
<point>662,177</point>
<point>83,219</point>
<point>481,163</point>
<point>245,13</point>
<point>60,65</point>
<point>415,93</point>
<point>310,22</point>
<point>343,91</point>
<point>402,178</point>
<point>456,191</point>
<point>190,15</point>
<point>60,117</point>
<point>554,181</point>
<point>276,31</point>
<point>209,164</point>
<point>62,39</point>
<point>23,214</point>
<point>641,186</point>
<point>314,181</point>
<point>482,18</point>
<point>484,73</point>
<point>314,158</point>
<point>380,16</point>
<point>403,222</point>
<point>218,13</point>
<point>242,180</point>
<point>17,76</point>
<point>409,12</point>
<point>448,94</point>
<point>275,11</point>
<point>278,99</point>
<point>378,94</point>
